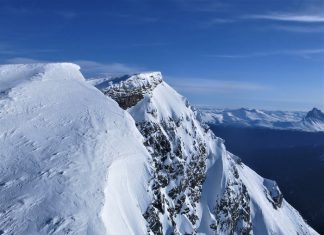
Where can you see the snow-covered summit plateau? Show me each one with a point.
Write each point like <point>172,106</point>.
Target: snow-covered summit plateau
<point>74,162</point>
<point>68,156</point>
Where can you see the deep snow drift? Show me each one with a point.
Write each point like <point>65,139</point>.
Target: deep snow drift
<point>286,120</point>
<point>74,162</point>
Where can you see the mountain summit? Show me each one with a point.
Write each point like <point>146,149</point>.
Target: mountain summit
<point>74,162</point>
<point>314,120</point>
<point>315,114</point>
<point>198,187</point>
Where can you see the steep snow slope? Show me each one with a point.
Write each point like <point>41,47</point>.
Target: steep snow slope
<point>311,121</point>
<point>72,161</point>
<point>198,187</point>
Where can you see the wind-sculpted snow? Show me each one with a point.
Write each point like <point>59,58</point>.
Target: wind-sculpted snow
<point>72,161</point>
<point>285,120</point>
<point>198,187</point>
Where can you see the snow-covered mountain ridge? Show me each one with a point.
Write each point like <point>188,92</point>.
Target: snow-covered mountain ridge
<point>74,162</point>
<point>68,156</point>
<point>286,120</point>
<point>198,187</point>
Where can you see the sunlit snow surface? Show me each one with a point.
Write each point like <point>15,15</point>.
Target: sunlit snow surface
<point>72,161</point>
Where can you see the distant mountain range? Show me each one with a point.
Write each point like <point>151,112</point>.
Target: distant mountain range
<point>293,120</point>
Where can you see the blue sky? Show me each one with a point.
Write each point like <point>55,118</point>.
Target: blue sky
<point>251,53</point>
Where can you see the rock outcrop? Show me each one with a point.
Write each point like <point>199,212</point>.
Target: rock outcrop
<point>197,186</point>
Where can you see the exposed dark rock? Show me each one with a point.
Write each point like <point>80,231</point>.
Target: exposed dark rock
<point>232,211</point>
<point>315,114</point>
<point>179,170</point>
<point>127,91</point>
<point>273,193</point>
<point>126,101</point>
<point>153,221</point>
<point>213,227</point>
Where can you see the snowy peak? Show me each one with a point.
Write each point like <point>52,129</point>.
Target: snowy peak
<point>140,79</point>
<point>198,187</point>
<point>129,90</point>
<point>315,115</point>
<point>314,120</point>
<point>179,148</point>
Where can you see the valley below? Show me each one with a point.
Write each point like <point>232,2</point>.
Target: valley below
<point>295,159</point>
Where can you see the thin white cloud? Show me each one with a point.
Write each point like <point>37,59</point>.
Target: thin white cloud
<point>302,18</point>
<point>221,21</point>
<point>201,5</point>
<point>299,29</point>
<point>88,67</point>
<point>203,86</point>
<point>217,21</point>
<point>95,68</point>
<point>305,53</point>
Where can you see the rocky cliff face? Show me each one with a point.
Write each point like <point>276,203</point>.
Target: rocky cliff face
<point>176,142</point>
<point>315,114</point>
<point>197,186</point>
<point>129,90</point>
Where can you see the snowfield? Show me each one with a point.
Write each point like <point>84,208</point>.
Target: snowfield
<point>74,162</point>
